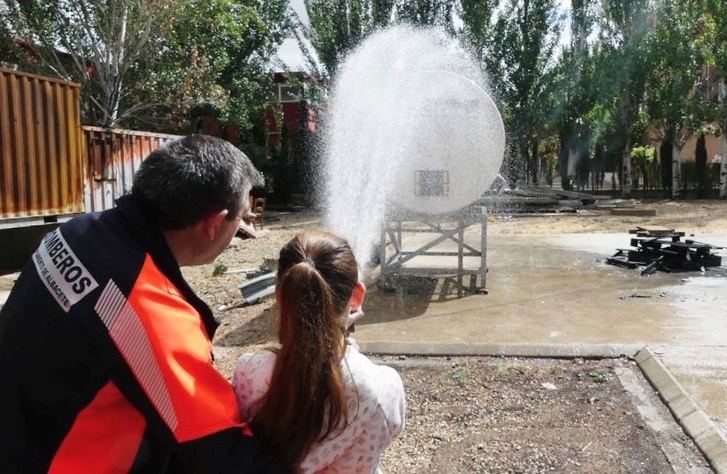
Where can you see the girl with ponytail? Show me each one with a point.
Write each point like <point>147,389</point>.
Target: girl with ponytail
<point>316,403</point>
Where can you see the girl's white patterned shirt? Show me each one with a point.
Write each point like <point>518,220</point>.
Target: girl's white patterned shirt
<point>375,402</point>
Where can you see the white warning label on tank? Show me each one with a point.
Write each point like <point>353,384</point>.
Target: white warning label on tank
<point>61,271</point>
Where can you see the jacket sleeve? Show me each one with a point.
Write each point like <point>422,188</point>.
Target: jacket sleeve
<point>165,345</point>
<point>222,452</point>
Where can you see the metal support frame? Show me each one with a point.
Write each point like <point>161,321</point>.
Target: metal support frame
<point>442,230</point>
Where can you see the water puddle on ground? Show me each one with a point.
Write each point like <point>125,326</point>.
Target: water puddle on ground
<point>559,290</point>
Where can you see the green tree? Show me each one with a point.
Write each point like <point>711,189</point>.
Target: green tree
<point>338,26</point>
<point>426,12</point>
<point>581,111</point>
<point>525,38</point>
<point>151,62</point>
<point>8,49</point>
<point>477,31</point>
<point>216,53</point>
<point>93,42</point>
<point>677,103</point>
<point>714,24</point>
<point>624,39</point>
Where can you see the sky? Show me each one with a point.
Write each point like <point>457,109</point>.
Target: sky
<point>290,54</point>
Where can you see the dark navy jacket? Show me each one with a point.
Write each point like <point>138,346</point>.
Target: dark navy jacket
<point>105,359</point>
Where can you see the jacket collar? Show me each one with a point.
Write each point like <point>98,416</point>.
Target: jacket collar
<point>149,236</point>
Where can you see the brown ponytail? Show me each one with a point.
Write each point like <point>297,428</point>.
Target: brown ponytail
<point>306,401</point>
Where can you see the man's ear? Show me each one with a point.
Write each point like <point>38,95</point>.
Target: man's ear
<point>212,223</point>
<point>358,295</point>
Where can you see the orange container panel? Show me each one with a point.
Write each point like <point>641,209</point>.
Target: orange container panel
<point>112,158</point>
<point>41,145</point>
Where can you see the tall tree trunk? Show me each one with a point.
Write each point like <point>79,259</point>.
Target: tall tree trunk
<point>626,169</point>
<point>723,163</point>
<point>524,164</point>
<point>563,155</point>
<point>656,180</point>
<point>598,162</point>
<point>665,150</point>
<point>700,162</point>
<point>118,57</point>
<point>572,160</point>
<point>535,162</point>
<point>676,172</point>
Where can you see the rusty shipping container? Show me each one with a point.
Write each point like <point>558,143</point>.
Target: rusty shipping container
<point>41,144</point>
<point>112,158</point>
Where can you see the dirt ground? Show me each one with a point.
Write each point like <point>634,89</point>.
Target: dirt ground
<point>534,415</point>
<point>222,294</point>
<point>254,325</point>
<point>692,217</point>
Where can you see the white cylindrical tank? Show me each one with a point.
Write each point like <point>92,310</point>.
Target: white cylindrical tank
<point>458,142</point>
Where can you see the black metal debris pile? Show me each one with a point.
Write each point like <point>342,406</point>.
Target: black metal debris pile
<point>661,249</point>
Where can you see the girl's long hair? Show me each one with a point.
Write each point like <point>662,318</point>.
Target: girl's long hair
<point>306,401</point>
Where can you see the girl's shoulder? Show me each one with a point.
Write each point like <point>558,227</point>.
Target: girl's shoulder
<point>378,391</point>
<point>371,380</point>
<point>253,370</point>
<point>259,358</point>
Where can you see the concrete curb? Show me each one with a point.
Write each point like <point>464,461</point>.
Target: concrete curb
<point>695,422</point>
<point>558,351</point>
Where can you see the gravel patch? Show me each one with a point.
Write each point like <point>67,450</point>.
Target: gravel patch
<point>533,415</point>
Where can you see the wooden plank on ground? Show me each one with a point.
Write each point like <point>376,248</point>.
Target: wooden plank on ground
<point>633,212</point>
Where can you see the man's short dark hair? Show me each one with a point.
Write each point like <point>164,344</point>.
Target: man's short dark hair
<point>193,177</point>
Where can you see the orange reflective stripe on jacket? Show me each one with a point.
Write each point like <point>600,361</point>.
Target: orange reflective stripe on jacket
<point>164,342</point>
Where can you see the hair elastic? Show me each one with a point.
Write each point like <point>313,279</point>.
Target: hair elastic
<point>309,261</point>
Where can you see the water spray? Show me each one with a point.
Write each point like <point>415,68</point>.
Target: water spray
<point>412,132</point>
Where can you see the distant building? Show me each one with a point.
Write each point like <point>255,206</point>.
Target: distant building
<point>289,92</point>
<point>715,91</point>
<point>712,142</point>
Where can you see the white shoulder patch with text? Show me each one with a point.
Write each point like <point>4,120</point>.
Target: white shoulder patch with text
<point>61,271</point>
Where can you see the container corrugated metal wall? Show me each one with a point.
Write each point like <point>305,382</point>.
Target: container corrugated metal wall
<point>112,158</point>
<point>41,145</point>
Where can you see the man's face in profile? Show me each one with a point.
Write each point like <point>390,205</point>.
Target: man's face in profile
<point>227,230</point>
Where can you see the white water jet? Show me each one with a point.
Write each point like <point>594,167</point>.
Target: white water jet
<point>410,123</point>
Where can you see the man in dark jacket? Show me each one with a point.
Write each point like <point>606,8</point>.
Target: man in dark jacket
<point>105,351</point>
